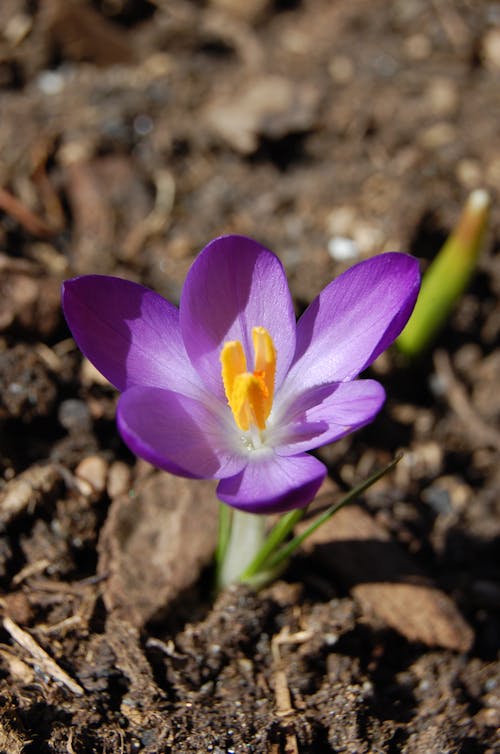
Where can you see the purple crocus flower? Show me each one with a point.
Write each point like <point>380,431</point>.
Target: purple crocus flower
<point>229,386</point>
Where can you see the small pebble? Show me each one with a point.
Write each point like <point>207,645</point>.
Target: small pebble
<point>50,82</point>
<point>343,249</point>
<point>143,125</point>
<point>438,499</point>
<point>74,416</point>
<point>91,475</point>
<point>118,479</point>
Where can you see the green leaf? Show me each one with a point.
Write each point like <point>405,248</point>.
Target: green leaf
<point>447,277</point>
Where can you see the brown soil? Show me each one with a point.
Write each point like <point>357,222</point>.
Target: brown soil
<point>131,133</point>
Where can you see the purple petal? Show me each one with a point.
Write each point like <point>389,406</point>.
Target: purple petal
<point>273,484</point>
<point>354,319</point>
<point>176,433</point>
<point>130,333</point>
<point>325,413</point>
<point>233,285</point>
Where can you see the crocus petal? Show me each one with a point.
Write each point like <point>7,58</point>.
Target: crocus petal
<point>354,319</point>
<point>325,413</point>
<point>176,433</point>
<point>273,484</point>
<point>235,284</point>
<point>130,333</point>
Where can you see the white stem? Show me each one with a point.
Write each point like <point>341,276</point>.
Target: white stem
<point>245,540</point>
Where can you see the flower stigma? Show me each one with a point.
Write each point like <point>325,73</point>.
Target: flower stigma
<point>250,394</point>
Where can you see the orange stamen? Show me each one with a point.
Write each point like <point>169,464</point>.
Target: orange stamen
<point>250,394</point>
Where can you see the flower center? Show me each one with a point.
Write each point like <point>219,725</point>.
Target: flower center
<point>249,394</point>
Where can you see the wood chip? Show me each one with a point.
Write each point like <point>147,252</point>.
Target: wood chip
<point>155,543</point>
<point>386,582</point>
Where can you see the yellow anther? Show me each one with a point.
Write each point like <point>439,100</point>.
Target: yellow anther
<point>265,362</point>
<point>247,401</point>
<point>233,363</point>
<point>250,394</point>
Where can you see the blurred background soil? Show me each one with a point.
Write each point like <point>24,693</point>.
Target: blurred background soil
<point>132,132</point>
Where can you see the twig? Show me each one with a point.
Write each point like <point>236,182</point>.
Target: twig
<point>40,656</point>
<point>282,695</point>
<point>281,690</point>
<point>26,217</point>
<point>30,569</point>
<point>27,490</point>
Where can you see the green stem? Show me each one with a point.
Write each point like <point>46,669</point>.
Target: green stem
<point>225,518</point>
<point>240,544</point>
<point>276,536</point>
